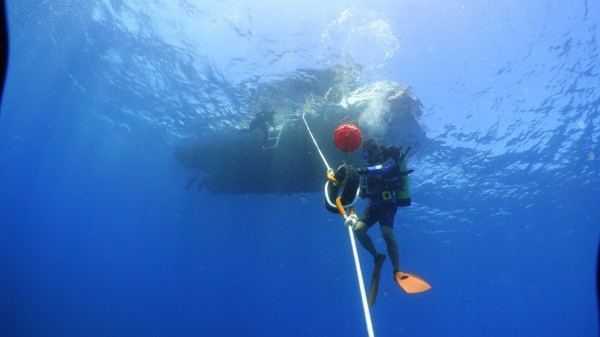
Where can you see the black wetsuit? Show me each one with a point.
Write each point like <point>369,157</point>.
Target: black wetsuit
<point>261,121</point>
<point>379,187</point>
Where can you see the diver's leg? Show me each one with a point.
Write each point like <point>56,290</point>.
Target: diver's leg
<point>265,130</point>
<point>365,240</point>
<point>392,246</point>
<point>386,220</point>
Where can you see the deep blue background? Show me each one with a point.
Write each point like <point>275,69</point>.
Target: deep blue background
<point>99,238</point>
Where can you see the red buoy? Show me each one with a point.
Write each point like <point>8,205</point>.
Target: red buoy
<point>347,137</point>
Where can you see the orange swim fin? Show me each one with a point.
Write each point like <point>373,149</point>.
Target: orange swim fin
<point>410,283</point>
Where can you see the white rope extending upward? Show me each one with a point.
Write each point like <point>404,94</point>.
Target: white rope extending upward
<point>361,284</point>
<point>315,141</point>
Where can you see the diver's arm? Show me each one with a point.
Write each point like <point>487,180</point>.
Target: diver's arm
<point>387,166</point>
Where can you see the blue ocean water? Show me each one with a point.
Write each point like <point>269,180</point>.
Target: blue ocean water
<point>99,237</point>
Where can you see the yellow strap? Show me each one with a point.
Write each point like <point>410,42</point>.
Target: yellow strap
<point>338,202</point>
<point>331,178</point>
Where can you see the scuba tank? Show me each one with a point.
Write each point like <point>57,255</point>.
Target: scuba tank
<point>403,191</point>
<point>401,188</point>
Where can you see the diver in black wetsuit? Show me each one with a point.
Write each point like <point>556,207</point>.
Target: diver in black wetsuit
<point>379,183</point>
<point>384,184</point>
<point>261,121</point>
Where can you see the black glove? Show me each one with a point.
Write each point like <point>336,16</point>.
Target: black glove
<point>362,171</point>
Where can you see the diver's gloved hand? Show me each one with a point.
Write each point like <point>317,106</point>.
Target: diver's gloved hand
<point>351,221</point>
<point>362,171</point>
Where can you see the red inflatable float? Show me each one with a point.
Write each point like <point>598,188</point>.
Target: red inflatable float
<point>347,137</point>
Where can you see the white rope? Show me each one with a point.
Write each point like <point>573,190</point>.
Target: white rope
<point>315,141</point>
<point>361,284</point>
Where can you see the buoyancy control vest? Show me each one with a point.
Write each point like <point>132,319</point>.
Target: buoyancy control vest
<point>394,184</point>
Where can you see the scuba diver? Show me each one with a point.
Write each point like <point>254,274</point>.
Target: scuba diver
<point>384,183</point>
<point>260,121</point>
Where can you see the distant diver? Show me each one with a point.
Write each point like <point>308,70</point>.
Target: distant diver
<point>261,120</point>
<point>192,180</point>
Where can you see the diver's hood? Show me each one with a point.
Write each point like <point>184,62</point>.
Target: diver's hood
<point>375,156</point>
